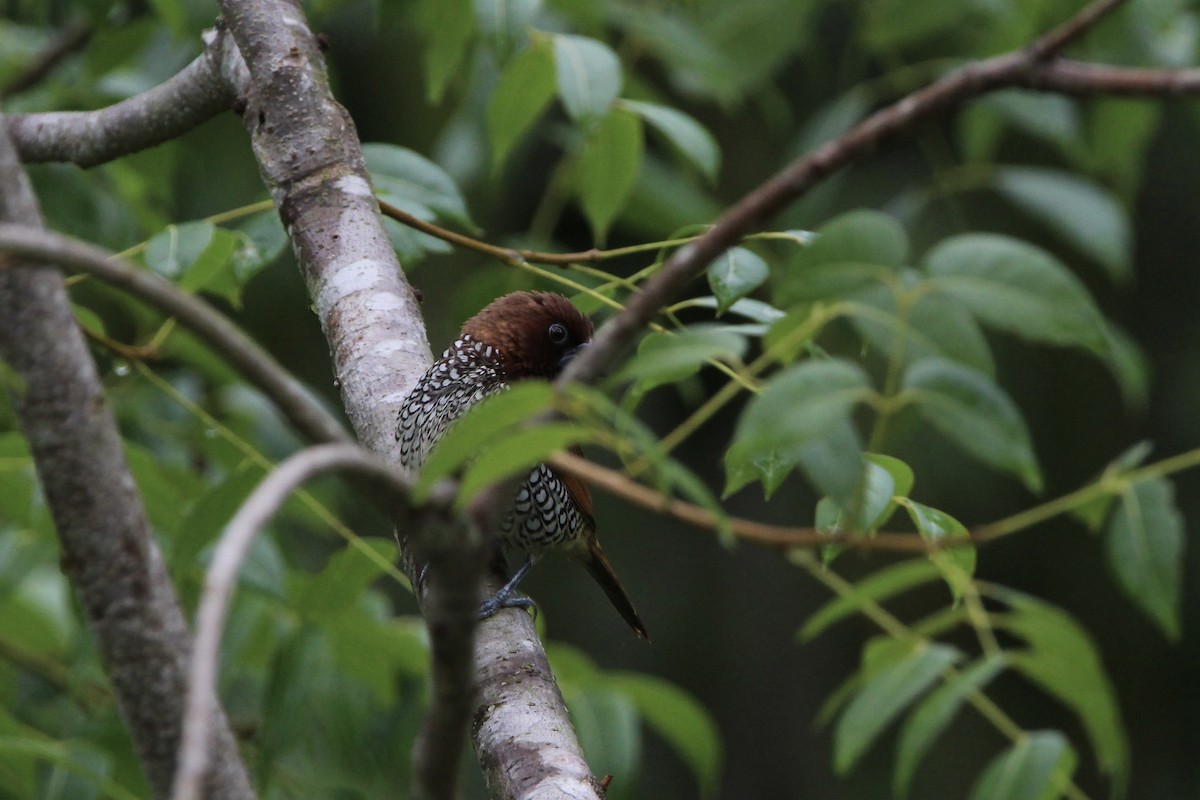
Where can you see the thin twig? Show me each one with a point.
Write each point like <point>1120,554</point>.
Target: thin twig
<point>259,508</point>
<point>294,401</point>
<point>1081,78</point>
<point>774,536</point>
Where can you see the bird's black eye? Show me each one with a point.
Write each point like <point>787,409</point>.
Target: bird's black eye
<point>558,333</point>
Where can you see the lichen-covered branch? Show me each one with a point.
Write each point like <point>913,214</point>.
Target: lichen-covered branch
<point>310,160</point>
<point>108,554</point>
<point>200,91</point>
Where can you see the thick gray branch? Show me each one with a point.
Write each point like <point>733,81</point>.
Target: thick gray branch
<point>309,156</point>
<point>196,94</point>
<point>108,553</point>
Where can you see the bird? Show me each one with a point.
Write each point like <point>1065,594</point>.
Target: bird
<point>520,336</point>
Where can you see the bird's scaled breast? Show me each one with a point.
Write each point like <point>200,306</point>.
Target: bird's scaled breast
<point>543,515</point>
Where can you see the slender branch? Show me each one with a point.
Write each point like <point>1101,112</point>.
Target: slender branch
<point>1081,78</point>
<point>294,401</point>
<point>803,174</point>
<point>235,541</point>
<point>71,38</point>
<point>774,536</point>
<point>197,93</point>
<point>108,554</point>
<point>1052,43</point>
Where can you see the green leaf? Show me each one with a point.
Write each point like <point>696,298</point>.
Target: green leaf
<point>504,24</point>
<point>1019,288</point>
<point>793,334</point>
<point>518,452</point>
<point>668,357</point>
<point>1145,540</point>
<point>933,326</point>
<point>1128,365</point>
<point>608,167</point>
<point>799,405</point>
<point>1083,214</point>
<point>87,319</point>
<point>870,501</point>
<point>887,582</point>
<point>407,179</point>
<point>849,252</point>
<point>479,425</point>
<point>680,720</point>
<point>687,135</point>
<point>832,462</point>
<point>935,713</point>
<point>902,474</point>
<point>588,75</point>
<point>883,696</point>
<point>974,413</point>
<point>606,722</point>
<point>1051,118</point>
<point>524,89</point>
<point>339,586</point>
<point>1032,769</point>
<point>203,522</point>
<point>262,239</point>
<point>446,27</point>
<point>1094,512</point>
<point>934,525</point>
<point>734,274</point>
<point>892,24</point>
<point>1063,660</point>
<point>195,255</point>
<point>1118,131</point>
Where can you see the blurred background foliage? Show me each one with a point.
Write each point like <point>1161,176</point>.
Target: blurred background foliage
<point>323,662</point>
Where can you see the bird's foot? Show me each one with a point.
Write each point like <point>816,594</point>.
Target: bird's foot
<point>502,600</point>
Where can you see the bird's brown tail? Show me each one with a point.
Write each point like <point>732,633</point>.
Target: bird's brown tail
<point>602,571</point>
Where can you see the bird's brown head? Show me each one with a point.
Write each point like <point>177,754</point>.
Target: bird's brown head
<point>535,333</point>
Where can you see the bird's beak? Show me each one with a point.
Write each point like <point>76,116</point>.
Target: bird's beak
<point>574,351</point>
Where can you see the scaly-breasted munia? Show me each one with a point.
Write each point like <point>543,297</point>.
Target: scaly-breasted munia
<point>521,335</point>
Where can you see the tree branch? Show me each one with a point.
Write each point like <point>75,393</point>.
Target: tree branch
<point>108,553</point>
<point>1081,78</point>
<point>197,93</point>
<point>310,160</point>
<point>1012,69</point>
<point>257,511</point>
<point>290,396</point>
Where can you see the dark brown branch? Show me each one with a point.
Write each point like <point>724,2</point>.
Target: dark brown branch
<point>778,537</point>
<point>292,399</point>
<point>1051,44</point>
<point>687,262</point>
<point>71,38</point>
<point>1082,78</point>
<point>108,553</point>
<point>196,94</point>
